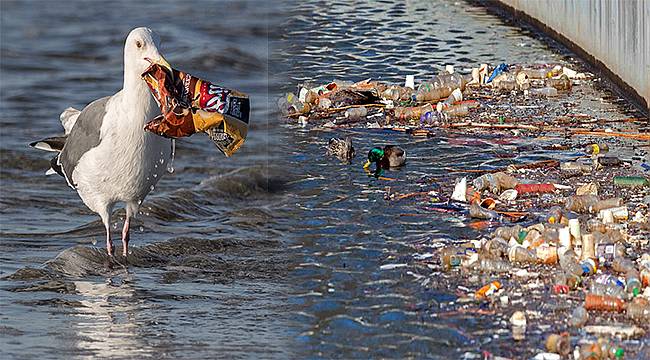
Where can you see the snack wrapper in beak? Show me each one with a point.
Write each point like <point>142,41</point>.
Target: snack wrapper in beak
<point>190,105</point>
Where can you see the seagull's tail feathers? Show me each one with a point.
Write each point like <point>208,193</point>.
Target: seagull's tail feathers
<point>69,118</point>
<point>54,143</point>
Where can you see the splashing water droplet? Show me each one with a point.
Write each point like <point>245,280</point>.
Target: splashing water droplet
<point>170,164</point>
<point>155,175</point>
<point>140,202</point>
<point>162,161</point>
<point>93,241</point>
<point>151,188</point>
<point>141,228</point>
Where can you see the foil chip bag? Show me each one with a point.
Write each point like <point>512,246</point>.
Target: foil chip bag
<point>190,105</point>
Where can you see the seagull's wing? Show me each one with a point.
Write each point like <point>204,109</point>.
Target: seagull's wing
<point>84,135</point>
<point>68,118</point>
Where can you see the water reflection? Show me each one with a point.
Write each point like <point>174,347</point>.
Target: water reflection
<point>109,322</point>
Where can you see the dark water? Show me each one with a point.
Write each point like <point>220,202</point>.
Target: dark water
<point>367,288</point>
<point>208,275</point>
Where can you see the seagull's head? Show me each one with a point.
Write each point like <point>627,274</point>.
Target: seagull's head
<point>141,50</point>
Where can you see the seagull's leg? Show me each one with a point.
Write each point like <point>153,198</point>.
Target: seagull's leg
<point>131,209</point>
<point>125,235</point>
<point>106,219</point>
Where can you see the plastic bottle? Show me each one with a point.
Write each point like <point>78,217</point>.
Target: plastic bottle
<point>455,96</point>
<point>639,310</point>
<point>631,181</point>
<point>478,212</point>
<point>619,213</point>
<point>290,104</point>
<point>452,257</point>
<point>568,263</point>
<point>588,247</point>
<point>509,232</point>
<point>520,254</point>
<point>440,87</point>
<point>604,303</point>
<point>589,267</point>
<point>574,166</point>
<point>456,110</point>
<point>408,113</point>
<point>559,344</point>
<point>492,265</point>
<point>546,254</point>
<point>595,149</point>
<point>632,282</point>
<point>590,203</point>
<point>609,161</point>
<point>505,84</point>
<point>496,182</point>
<point>561,83</point>
<point>579,317</point>
<point>534,188</point>
<point>357,113</point>
<point>537,73</point>
<point>600,350</point>
<point>545,91</point>
<point>622,265</point>
<point>496,247</point>
<point>607,289</point>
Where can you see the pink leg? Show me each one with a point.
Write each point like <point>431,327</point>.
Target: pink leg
<point>125,237</point>
<point>109,242</point>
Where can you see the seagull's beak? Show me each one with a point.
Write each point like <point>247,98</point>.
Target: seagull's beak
<point>367,164</point>
<point>160,61</point>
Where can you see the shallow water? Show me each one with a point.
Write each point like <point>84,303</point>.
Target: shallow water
<point>207,274</point>
<point>365,287</point>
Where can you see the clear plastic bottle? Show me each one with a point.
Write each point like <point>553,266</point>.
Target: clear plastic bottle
<point>520,254</point>
<point>290,104</point>
<point>561,83</point>
<point>478,212</point>
<point>568,263</point>
<point>545,91</point>
<point>456,110</point>
<point>579,317</point>
<point>622,265</point>
<point>492,265</point>
<point>508,233</point>
<point>496,247</point>
<point>632,282</point>
<point>574,166</point>
<point>639,310</point>
<point>607,290</point>
<point>357,113</point>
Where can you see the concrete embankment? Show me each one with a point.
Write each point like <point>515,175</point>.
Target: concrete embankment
<point>614,35</point>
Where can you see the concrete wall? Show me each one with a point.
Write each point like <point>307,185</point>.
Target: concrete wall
<point>614,32</point>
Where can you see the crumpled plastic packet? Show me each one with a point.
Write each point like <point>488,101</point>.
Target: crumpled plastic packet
<point>190,105</point>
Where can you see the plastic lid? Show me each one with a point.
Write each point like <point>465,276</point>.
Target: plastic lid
<point>635,292</point>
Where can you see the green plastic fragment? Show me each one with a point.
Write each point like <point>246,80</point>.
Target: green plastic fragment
<point>619,353</point>
<point>521,236</point>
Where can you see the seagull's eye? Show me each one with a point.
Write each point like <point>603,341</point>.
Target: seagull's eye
<point>138,44</point>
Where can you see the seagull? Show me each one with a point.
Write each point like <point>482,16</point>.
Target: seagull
<point>105,154</point>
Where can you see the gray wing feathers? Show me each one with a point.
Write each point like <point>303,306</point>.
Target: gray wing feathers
<point>84,135</point>
<point>68,117</point>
